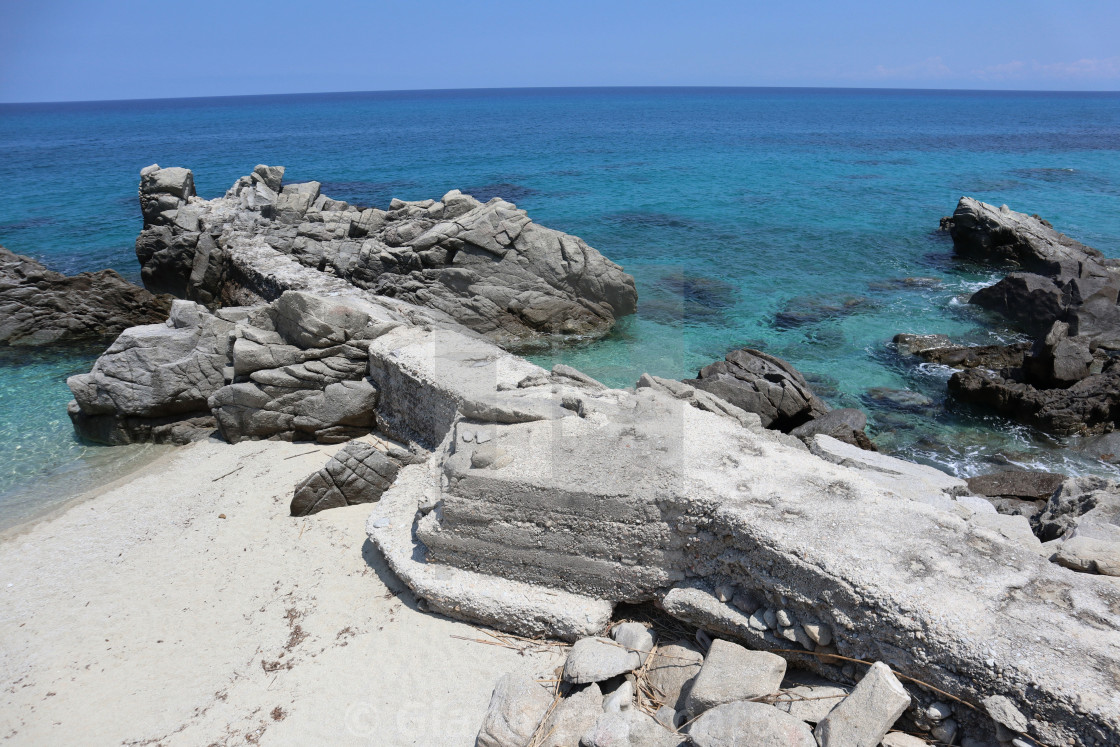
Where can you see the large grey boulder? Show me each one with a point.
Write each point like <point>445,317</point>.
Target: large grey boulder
<point>157,373</point>
<point>485,265</point>
<point>1033,302</point>
<point>517,707</point>
<point>747,724</point>
<point>867,714</point>
<point>357,473</point>
<point>846,424</point>
<point>40,306</point>
<point>730,673</point>
<point>764,384</point>
<point>297,368</point>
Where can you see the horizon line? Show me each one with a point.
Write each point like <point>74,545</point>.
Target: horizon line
<point>483,89</point>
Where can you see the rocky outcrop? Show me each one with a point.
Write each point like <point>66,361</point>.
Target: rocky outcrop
<point>1092,405</point>
<point>1000,235</point>
<point>295,369</point>
<point>1064,295</point>
<point>39,306</point>
<point>547,499</point>
<point>767,386</point>
<point>485,265</point>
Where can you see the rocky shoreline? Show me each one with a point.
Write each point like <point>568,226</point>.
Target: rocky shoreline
<point>536,502</point>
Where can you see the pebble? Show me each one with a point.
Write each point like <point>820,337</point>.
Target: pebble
<point>725,592</point>
<point>784,619</point>
<point>758,621</point>
<point>939,711</point>
<point>819,633</point>
<point>945,732</point>
<point>621,699</point>
<point>634,636</point>
<point>771,619</point>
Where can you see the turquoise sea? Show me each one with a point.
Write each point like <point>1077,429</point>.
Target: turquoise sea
<point>799,221</point>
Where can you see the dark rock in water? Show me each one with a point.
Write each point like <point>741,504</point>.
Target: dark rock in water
<point>709,292</point>
<point>763,384</point>
<point>1066,297</point>
<point>899,399</point>
<point>987,233</point>
<point>910,283</point>
<point>358,473</point>
<point>1092,405</point>
<point>804,310</point>
<point>40,306</point>
<point>1059,360</point>
<point>940,349</point>
<point>846,424</point>
<point>484,265</point>
<point>1032,302</point>
<point>1023,484</point>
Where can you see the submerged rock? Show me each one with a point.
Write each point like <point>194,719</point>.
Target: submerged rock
<point>1030,485</point>
<point>41,307</point>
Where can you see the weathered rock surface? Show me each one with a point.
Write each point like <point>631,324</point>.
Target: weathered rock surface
<point>358,473</point>
<point>517,708</point>
<point>671,670</point>
<point>1030,485</point>
<point>295,369</point>
<point>631,496</point>
<point>761,383</point>
<point>572,717</point>
<point>745,724</point>
<point>598,659</point>
<point>864,717</point>
<point>485,265</point>
<point>40,306</point>
<point>731,673</point>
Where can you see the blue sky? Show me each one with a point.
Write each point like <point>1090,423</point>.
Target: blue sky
<point>62,50</point>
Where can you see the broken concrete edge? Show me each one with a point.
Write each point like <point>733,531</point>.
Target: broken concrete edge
<point>495,602</point>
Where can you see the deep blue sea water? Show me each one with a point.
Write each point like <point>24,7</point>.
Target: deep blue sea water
<point>782,219</point>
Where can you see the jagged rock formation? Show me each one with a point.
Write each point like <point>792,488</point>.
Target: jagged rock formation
<point>548,498</point>
<point>486,266</point>
<point>1065,296</point>
<point>40,306</point>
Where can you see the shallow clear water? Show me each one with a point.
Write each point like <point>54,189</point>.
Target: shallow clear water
<point>782,219</point>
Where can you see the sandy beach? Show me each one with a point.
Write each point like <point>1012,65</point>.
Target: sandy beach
<point>138,615</point>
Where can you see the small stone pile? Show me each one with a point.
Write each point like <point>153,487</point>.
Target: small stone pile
<point>629,689</point>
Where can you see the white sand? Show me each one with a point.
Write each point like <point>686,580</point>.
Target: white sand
<point>140,616</point>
